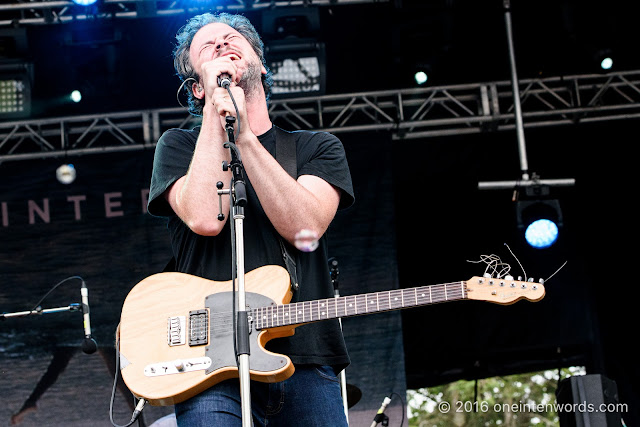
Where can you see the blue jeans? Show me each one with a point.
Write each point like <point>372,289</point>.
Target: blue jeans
<point>310,397</point>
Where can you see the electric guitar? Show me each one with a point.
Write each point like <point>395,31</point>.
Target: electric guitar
<point>176,330</point>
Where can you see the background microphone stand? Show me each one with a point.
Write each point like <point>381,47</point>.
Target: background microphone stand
<point>88,345</point>
<point>238,201</point>
<point>39,310</point>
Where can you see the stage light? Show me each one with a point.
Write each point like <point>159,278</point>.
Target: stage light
<point>15,97</point>
<point>294,53</point>
<point>540,217</point>
<point>604,59</point>
<point>76,96</point>
<point>66,173</point>
<point>84,2</point>
<point>297,71</point>
<point>541,233</point>
<point>421,77</point>
<point>606,63</point>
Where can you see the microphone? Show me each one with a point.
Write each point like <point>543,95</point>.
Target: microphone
<point>224,80</point>
<point>89,345</point>
<point>380,415</point>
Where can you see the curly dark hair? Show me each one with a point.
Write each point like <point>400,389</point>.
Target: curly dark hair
<point>182,62</point>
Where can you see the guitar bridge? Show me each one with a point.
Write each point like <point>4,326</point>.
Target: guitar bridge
<point>176,331</point>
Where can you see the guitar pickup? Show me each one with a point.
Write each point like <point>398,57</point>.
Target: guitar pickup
<point>198,327</point>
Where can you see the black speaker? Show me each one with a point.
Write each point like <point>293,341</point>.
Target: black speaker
<point>588,401</point>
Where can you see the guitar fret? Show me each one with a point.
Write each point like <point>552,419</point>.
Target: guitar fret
<point>352,305</point>
<point>287,315</point>
<point>396,299</point>
<point>383,303</point>
<point>368,302</point>
<point>254,314</point>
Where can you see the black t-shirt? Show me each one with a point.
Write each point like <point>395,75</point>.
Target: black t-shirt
<point>318,153</point>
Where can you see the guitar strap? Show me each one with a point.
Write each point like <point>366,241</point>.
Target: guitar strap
<point>286,157</point>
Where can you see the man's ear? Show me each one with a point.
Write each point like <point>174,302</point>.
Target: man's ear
<point>197,90</point>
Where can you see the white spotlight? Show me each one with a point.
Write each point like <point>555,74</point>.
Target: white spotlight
<point>421,77</point>
<point>76,96</point>
<point>66,173</point>
<point>606,63</point>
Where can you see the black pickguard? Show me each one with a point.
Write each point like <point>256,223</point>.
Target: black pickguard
<point>221,347</point>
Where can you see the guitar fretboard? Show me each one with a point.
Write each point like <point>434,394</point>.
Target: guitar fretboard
<point>332,308</point>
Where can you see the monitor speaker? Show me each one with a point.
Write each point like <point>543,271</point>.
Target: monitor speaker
<point>588,401</point>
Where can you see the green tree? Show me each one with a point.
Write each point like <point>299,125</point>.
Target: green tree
<point>510,401</point>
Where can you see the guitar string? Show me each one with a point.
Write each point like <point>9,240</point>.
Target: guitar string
<point>310,309</point>
<point>360,304</point>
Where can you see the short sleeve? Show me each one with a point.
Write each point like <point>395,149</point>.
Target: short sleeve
<point>323,155</point>
<point>171,160</point>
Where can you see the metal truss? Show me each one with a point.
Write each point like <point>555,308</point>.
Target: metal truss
<point>406,114</point>
<point>61,11</point>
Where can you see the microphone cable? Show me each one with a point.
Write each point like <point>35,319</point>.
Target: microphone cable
<point>35,308</point>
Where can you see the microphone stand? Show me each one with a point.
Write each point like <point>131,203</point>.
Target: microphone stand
<point>238,202</point>
<point>39,310</point>
<point>333,272</point>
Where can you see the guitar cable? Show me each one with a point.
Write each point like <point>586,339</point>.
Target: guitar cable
<point>139,404</point>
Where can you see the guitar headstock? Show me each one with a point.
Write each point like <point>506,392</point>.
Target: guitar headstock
<point>503,291</point>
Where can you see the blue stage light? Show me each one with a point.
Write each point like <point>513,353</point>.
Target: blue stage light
<point>84,2</point>
<point>541,233</point>
<point>539,216</point>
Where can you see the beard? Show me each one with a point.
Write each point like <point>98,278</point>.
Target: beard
<point>251,81</point>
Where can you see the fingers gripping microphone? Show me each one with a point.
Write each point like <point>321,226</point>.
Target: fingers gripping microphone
<point>224,80</point>
<point>89,345</point>
<point>380,415</point>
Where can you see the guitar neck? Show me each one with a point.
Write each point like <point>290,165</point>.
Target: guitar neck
<point>356,305</point>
